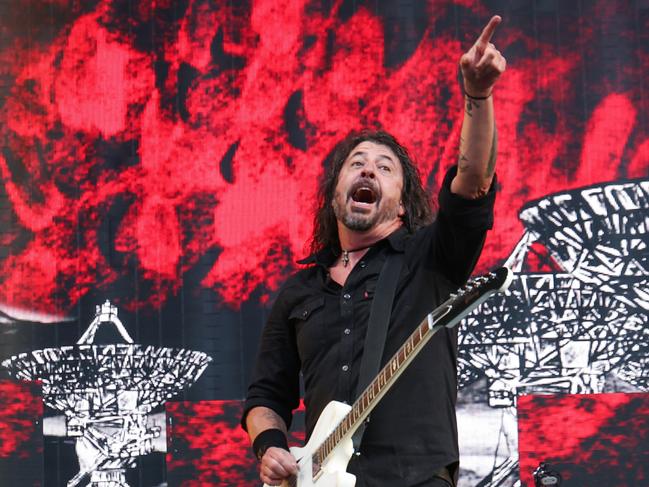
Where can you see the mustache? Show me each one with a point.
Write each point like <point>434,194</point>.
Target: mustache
<point>362,183</point>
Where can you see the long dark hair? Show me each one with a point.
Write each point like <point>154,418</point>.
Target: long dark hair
<point>414,198</point>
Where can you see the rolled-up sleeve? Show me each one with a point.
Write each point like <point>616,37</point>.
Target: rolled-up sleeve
<point>275,381</point>
<point>477,214</point>
<point>458,234</point>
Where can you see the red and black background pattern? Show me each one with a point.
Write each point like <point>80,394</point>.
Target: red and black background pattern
<point>165,155</point>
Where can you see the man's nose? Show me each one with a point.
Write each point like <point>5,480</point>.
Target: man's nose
<point>367,172</point>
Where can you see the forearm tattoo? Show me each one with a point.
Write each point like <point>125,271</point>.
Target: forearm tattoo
<point>491,164</point>
<point>274,419</point>
<point>463,160</point>
<point>469,106</point>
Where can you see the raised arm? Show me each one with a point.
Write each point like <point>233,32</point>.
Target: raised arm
<point>481,66</point>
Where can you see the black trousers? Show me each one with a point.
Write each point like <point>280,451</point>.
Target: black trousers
<point>382,475</point>
<point>436,481</point>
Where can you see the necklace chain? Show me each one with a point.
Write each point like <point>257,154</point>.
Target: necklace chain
<point>345,255</point>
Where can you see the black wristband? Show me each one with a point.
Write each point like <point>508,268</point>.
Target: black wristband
<point>477,97</point>
<point>267,439</point>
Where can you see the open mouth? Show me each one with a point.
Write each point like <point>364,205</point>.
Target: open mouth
<point>364,194</point>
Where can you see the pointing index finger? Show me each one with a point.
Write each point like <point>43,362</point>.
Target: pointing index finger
<point>488,31</point>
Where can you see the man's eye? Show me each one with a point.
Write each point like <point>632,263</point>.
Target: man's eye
<point>385,168</point>
<point>356,163</point>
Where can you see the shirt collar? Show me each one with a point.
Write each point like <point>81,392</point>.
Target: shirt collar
<point>324,257</point>
<point>397,239</point>
<point>327,256</point>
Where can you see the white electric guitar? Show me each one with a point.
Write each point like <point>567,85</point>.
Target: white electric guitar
<point>322,462</point>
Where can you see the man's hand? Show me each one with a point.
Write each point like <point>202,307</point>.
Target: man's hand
<point>277,465</point>
<point>482,64</point>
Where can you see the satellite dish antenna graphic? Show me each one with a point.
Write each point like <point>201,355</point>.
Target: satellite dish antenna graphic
<point>106,393</point>
<point>105,314</point>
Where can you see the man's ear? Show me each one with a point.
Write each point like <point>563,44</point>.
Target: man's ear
<point>402,209</point>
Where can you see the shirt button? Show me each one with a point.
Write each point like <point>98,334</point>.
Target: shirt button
<point>347,331</point>
<point>362,264</point>
<point>346,296</point>
<point>305,313</point>
<point>345,368</point>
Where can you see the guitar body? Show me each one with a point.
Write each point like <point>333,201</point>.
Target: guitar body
<point>333,472</point>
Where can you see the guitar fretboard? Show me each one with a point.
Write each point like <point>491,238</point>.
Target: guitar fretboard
<point>376,389</point>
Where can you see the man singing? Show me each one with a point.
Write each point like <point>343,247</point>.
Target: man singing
<point>373,205</point>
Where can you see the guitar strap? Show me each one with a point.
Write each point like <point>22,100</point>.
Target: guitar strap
<point>377,330</point>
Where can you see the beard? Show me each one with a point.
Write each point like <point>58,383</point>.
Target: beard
<point>355,221</point>
<point>361,222</point>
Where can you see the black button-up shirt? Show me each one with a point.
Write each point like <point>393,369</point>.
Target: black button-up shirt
<point>318,327</point>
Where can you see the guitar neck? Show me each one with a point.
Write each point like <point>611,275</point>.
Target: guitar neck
<point>451,312</point>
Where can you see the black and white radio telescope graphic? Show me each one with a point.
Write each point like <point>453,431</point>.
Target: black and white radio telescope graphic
<point>106,393</point>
